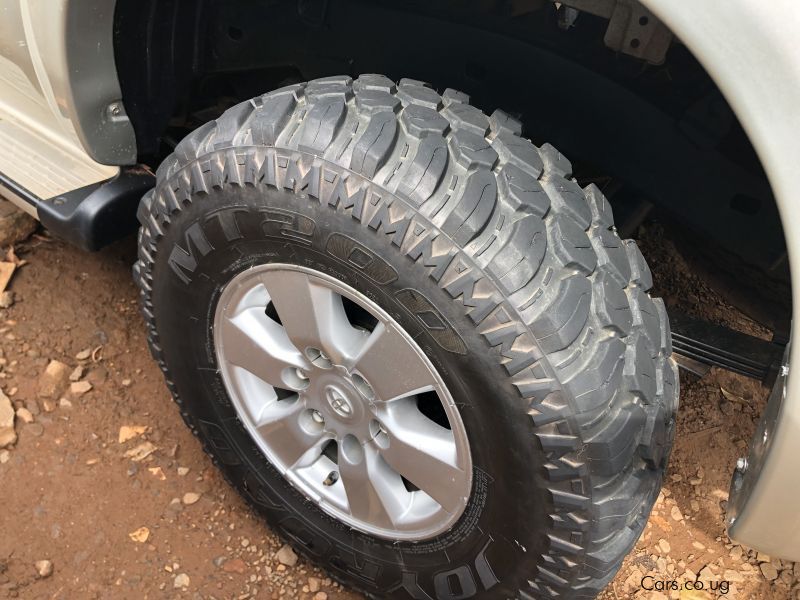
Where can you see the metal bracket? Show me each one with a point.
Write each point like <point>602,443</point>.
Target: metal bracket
<point>632,28</point>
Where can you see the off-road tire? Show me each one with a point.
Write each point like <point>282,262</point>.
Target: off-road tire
<point>521,290</point>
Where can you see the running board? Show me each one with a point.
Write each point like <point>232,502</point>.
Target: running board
<point>89,217</point>
<point>700,345</point>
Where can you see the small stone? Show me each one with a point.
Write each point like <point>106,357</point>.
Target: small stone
<point>695,505</point>
<point>736,553</point>
<point>676,477</point>
<point>126,382</point>
<point>77,373</point>
<point>44,568</point>
<point>128,432</point>
<point>24,415</point>
<point>698,546</point>
<point>763,557</point>
<point>676,514</point>
<point>236,565</point>
<point>15,225</point>
<point>8,435</point>
<point>183,471</point>
<point>5,456</point>
<point>706,574</point>
<point>190,498</point>
<point>7,299</point>
<point>35,429</point>
<point>181,581</point>
<point>84,354</point>
<point>48,406</point>
<point>245,543</point>
<point>313,584</point>
<point>320,596</point>
<point>286,556</point>
<point>64,403</point>
<point>79,388</point>
<point>664,546</point>
<point>732,576</point>
<point>140,452</point>
<point>140,535</point>
<point>769,571</point>
<point>54,379</point>
<point>219,561</point>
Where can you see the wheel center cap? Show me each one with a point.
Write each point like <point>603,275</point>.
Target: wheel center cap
<point>338,402</point>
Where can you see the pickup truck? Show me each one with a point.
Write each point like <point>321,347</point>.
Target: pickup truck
<point>416,341</point>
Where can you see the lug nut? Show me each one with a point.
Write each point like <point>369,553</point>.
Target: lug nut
<point>317,416</point>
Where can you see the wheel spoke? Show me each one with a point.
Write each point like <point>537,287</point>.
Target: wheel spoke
<point>391,365</point>
<point>255,342</point>
<point>375,492</point>
<point>279,426</point>
<point>313,315</point>
<point>424,453</point>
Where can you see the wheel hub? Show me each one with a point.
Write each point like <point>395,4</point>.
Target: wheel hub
<point>344,408</point>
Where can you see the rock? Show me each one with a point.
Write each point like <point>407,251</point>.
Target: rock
<point>128,432</point>
<point>236,565</point>
<point>8,435</point>
<point>64,403</point>
<point>286,556</point>
<point>664,546</point>
<point>695,505</point>
<point>79,388</point>
<point>698,546</point>
<point>769,571</point>
<point>7,299</point>
<point>15,225</point>
<point>54,379</point>
<point>126,383</point>
<point>44,568</point>
<point>733,576</point>
<point>181,581</point>
<point>676,514</point>
<point>84,354</point>
<point>5,456</point>
<point>183,471</point>
<point>140,535</point>
<point>313,584</point>
<point>763,557</point>
<point>140,452</point>
<point>736,553</point>
<point>706,574</point>
<point>190,498</point>
<point>77,373</point>
<point>23,414</point>
<point>320,596</point>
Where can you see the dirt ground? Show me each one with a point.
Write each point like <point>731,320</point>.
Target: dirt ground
<point>166,526</point>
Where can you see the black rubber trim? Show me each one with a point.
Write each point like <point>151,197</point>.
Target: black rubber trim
<point>96,215</point>
<point>722,347</point>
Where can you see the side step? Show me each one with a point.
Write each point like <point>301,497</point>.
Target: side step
<point>89,217</point>
<point>700,345</point>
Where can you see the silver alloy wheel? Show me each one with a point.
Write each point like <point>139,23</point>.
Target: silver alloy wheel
<point>341,410</point>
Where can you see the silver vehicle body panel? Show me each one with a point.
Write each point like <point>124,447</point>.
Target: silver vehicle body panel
<point>750,49</point>
<point>58,128</point>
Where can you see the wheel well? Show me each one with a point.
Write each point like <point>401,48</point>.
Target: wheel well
<point>656,137</point>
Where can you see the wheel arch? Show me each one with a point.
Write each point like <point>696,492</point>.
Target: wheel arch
<point>751,54</point>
